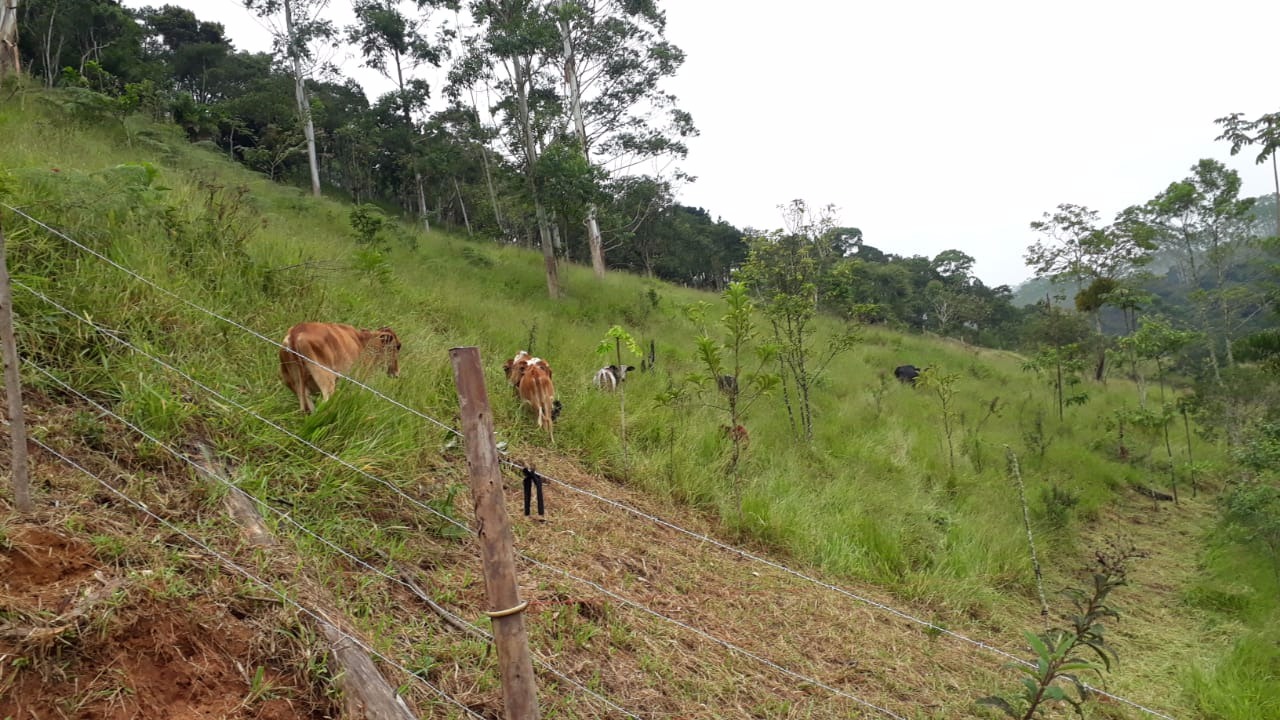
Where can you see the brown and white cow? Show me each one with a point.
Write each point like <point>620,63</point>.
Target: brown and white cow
<point>532,378</point>
<point>513,368</point>
<point>335,348</point>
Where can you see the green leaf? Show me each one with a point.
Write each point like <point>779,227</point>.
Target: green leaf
<point>1037,644</point>
<point>1033,687</point>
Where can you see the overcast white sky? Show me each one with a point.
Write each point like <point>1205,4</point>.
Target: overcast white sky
<point>935,124</point>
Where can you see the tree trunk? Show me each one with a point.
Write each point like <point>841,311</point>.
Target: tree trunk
<point>493,195</point>
<point>422,200</point>
<point>523,78</point>
<point>10,61</point>
<point>594,241</point>
<point>48,50</point>
<point>462,204</point>
<point>575,104</point>
<point>1275,175</point>
<point>558,239</point>
<point>300,94</point>
<point>408,122</point>
<point>1058,385</point>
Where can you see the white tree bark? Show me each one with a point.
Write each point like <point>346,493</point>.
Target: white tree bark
<point>10,62</point>
<point>523,79</point>
<point>575,104</point>
<point>300,93</point>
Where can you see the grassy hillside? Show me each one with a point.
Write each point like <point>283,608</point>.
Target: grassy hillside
<point>872,503</point>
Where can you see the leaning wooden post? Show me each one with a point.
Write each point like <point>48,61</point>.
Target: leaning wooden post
<point>13,388</point>
<point>497,558</point>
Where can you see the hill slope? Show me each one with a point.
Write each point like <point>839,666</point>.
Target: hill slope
<point>874,505</point>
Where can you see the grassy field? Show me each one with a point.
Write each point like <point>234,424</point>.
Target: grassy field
<point>873,502</point>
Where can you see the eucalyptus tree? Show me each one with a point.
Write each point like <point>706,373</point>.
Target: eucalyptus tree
<point>10,61</point>
<point>303,26</point>
<point>614,55</point>
<point>1263,132</point>
<point>395,44</point>
<point>512,47</point>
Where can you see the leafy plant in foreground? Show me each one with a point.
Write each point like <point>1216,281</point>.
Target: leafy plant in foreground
<point>1065,653</point>
<point>725,372</point>
<point>613,342</point>
<point>944,386</point>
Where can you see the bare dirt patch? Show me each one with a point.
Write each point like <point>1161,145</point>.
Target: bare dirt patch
<point>79,640</point>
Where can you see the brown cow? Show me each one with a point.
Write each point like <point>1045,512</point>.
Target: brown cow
<point>334,348</point>
<point>532,378</point>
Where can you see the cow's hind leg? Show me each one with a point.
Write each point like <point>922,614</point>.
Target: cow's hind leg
<point>296,379</point>
<point>325,382</point>
<point>544,420</point>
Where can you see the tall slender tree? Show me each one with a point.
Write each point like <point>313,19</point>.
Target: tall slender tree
<point>10,61</point>
<point>514,41</point>
<point>613,57</point>
<point>303,25</point>
<point>394,44</point>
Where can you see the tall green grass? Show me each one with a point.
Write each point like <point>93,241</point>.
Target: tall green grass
<point>872,497</point>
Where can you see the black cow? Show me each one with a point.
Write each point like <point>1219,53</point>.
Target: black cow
<point>906,373</point>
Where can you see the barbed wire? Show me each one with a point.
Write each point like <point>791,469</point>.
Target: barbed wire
<point>539,563</point>
<point>233,323</point>
<point>723,643</point>
<point>587,493</point>
<point>200,468</point>
<point>228,562</point>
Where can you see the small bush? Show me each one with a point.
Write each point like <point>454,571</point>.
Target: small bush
<point>1057,504</point>
<point>367,223</point>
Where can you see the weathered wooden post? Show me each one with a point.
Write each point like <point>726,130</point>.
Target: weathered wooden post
<point>13,388</point>
<point>515,666</point>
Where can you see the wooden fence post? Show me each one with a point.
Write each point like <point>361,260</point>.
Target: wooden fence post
<point>13,388</point>
<point>515,665</point>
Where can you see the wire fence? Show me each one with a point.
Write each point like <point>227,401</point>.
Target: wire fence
<point>289,518</point>
<point>624,507</point>
<point>227,562</point>
<point>732,647</point>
